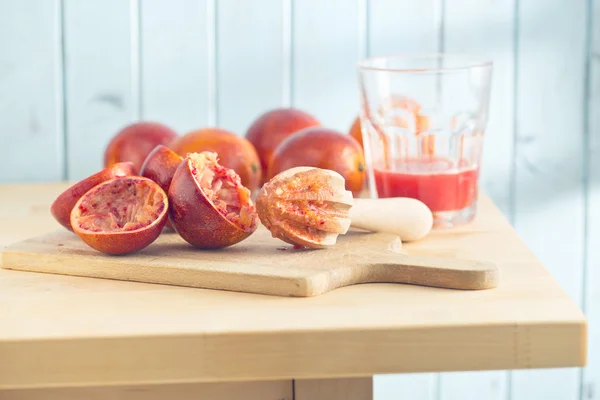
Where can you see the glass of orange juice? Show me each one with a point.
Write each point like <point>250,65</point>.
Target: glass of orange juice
<point>423,119</point>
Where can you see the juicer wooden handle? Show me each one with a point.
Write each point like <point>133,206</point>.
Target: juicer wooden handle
<point>410,219</point>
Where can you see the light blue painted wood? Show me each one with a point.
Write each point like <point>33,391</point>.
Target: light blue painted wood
<point>175,63</point>
<point>591,374</point>
<point>249,61</point>
<point>100,95</point>
<point>324,60</point>
<point>405,386</point>
<point>488,385</point>
<point>486,28</point>
<point>31,132</point>
<point>404,27</point>
<point>549,202</point>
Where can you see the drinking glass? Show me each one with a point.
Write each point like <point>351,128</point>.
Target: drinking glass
<point>423,119</point>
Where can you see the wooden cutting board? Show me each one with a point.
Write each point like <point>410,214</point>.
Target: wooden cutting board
<point>259,264</point>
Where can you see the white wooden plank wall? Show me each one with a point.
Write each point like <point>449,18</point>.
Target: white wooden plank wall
<point>176,85</point>
<point>549,193</point>
<point>100,92</point>
<point>198,63</point>
<point>324,59</point>
<point>591,375</point>
<point>31,120</point>
<point>250,44</point>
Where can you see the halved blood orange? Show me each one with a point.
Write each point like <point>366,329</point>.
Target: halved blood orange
<point>305,206</point>
<point>209,206</point>
<point>121,215</point>
<point>64,203</point>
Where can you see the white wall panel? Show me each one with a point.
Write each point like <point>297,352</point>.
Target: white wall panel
<point>249,60</point>
<point>325,54</point>
<point>403,26</point>
<point>486,28</point>
<point>405,386</point>
<point>488,385</point>
<point>549,207</point>
<point>175,63</point>
<point>591,374</point>
<point>99,90</point>
<point>31,132</point>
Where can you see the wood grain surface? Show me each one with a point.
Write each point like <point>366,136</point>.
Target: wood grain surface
<point>259,264</point>
<point>334,389</point>
<point>270,390</point>
<point>58,330</point>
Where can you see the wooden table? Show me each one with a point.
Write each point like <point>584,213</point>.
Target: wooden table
<point>103,338</point>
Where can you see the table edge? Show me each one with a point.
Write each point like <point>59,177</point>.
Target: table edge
<point>256,356</point>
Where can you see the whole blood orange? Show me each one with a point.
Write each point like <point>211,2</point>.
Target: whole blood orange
<point>235,152</point>
<point>272,127</point>
<point>121,215</point>
<point>134,142</point>
<point>322,148</point>
<point>209,206</point>
<point>64,203</point>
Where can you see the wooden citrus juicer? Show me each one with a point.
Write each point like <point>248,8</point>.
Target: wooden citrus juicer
<point>310,207</point>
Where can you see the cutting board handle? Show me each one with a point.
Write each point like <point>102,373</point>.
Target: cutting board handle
<point>450,273</point>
